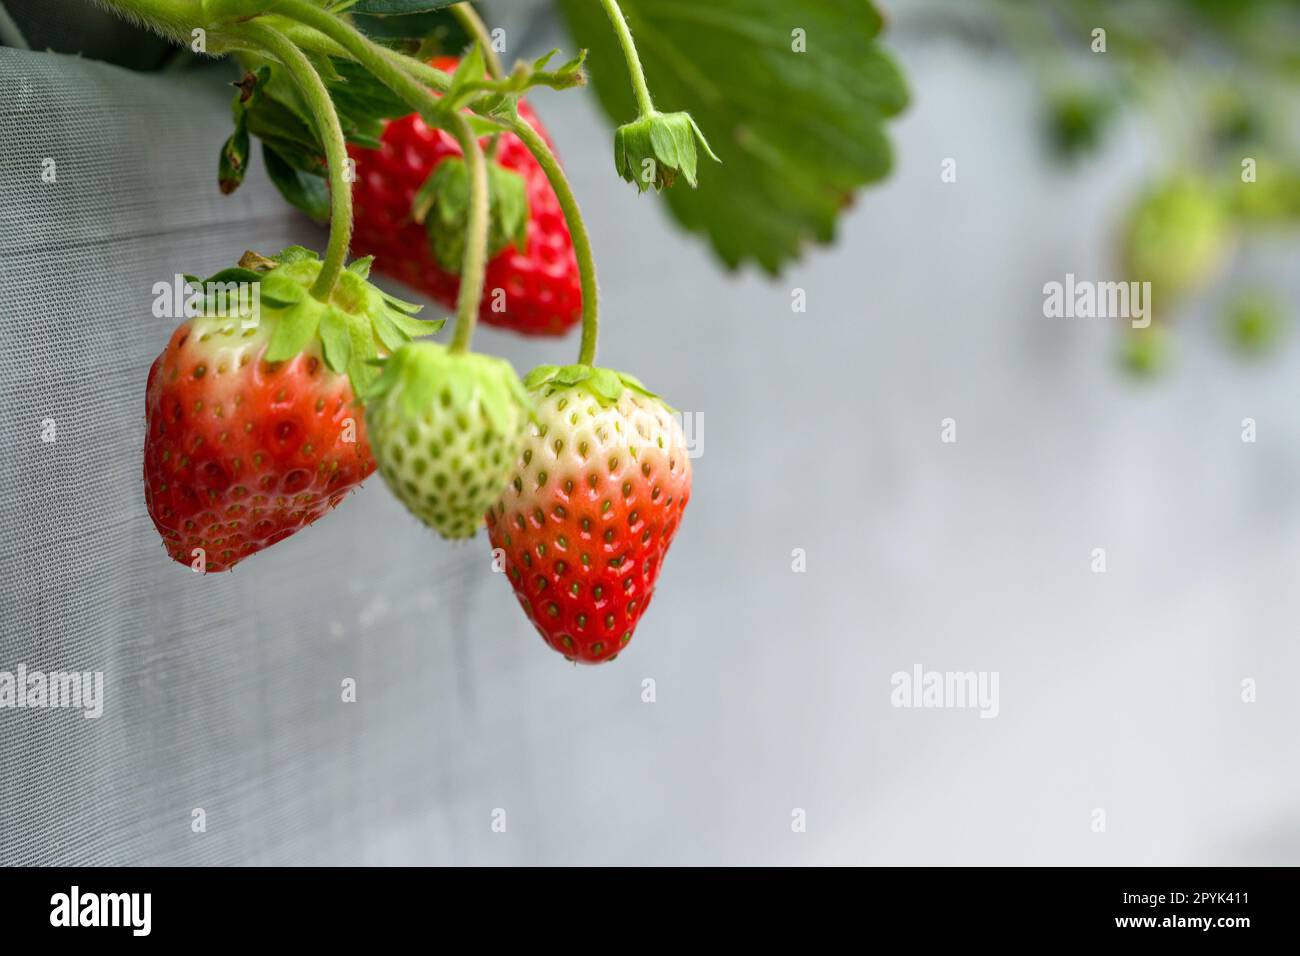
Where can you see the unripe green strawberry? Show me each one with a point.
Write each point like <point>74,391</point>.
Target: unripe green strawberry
<point>1177,238</point>
<point>595,499</point>
<point>446,429</point>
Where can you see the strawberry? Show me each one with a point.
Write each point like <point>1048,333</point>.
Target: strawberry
<point>447,428</point>
<point>541,293</point>
<point>251,428</point>
<point>595,500</point>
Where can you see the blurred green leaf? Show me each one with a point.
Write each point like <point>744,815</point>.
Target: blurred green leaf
<point>797,132</point>
<point>303,190</point>
<point>398,7</point>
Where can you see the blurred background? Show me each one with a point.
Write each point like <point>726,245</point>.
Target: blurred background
<point>822,431</point>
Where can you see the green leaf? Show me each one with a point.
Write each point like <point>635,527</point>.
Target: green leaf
<point>419,27</point>
<point>280,292</point>
<point>296,254</point>
<point>234,158</point>
<point>335,342</point>
<point>442,205</point>
<point>358,95</point>
<point>294,330</point>
<point>472,68</point>
<point>509,210</point>
<point>606,384</point>
<point>482,127</point>
<point>362,343</point>
<point>399,7</point>
<point>361,267</point>
<point>234,274</point>
<point>415,328</point>
<point>303,190</point>
<point>797,133</point>
<point>388,332</point>
<point>543,373</point>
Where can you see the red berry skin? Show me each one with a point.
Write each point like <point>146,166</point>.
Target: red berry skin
<point>541,292</point>
<point>586,523</point>
<point>241,453</point>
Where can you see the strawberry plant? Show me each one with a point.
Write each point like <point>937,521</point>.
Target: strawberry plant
<point>260,420</point>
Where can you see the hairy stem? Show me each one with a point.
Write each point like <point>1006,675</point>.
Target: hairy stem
<point>473,24</point>
<point>577,230</point>
<point>330,131</point>
<point>419,97</point>
<point>639,87</point>
<point>563,192</point>
<point>475,27</point>
<point>473,267</point>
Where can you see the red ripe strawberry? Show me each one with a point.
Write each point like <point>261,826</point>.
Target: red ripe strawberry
<point>252,432</point>
<point>595,500</point>
<point>541,293</point>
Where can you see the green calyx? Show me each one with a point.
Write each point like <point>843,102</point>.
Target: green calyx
<point>606,384</point>
<point>357,322</point>
<point>233,163</point>
<point>442,206</point>
<point>425,375</point>
<point>446,428</point>
<point>652,150</point>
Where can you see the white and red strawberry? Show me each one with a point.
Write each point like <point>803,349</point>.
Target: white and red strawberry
<point>252,431</point>
<point>594,501</point>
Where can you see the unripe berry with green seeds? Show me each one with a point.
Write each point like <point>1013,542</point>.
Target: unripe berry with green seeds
<point>446,429</point>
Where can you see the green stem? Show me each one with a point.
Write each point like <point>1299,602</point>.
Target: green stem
<point>639,87</point>
<point>175,19</point>
<point>10,34</point>
<point>577,230</point>
<point>376,59</point>
<point>370,55</point>
<point>330,131</point>
<point>563,192</point>
<point>473,269</point>
<point>473,24</point>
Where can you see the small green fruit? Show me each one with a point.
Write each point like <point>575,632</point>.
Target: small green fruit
<point>652,150</point>
<point>1177,238</point>
<point>1254,324</point>
<point>446,428</point>
<point>1146,353</point>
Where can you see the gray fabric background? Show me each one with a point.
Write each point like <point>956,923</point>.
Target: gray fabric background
<point>1118,691</point>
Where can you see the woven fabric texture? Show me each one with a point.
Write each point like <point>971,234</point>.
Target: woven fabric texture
<point>771,685</point>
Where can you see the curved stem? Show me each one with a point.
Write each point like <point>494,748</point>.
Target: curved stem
<point>473,24</point>
<point>10,34</point>
<point>172,18</point>
<point>473,267</point>
<point>330,131</point>
<point>420,98</point>
<point>372,56</point>
<point>577,230</point>
<point>563,192</point>
<point>639,87</point>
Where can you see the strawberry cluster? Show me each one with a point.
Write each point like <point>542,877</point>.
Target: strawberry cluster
<point>259,422</point>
